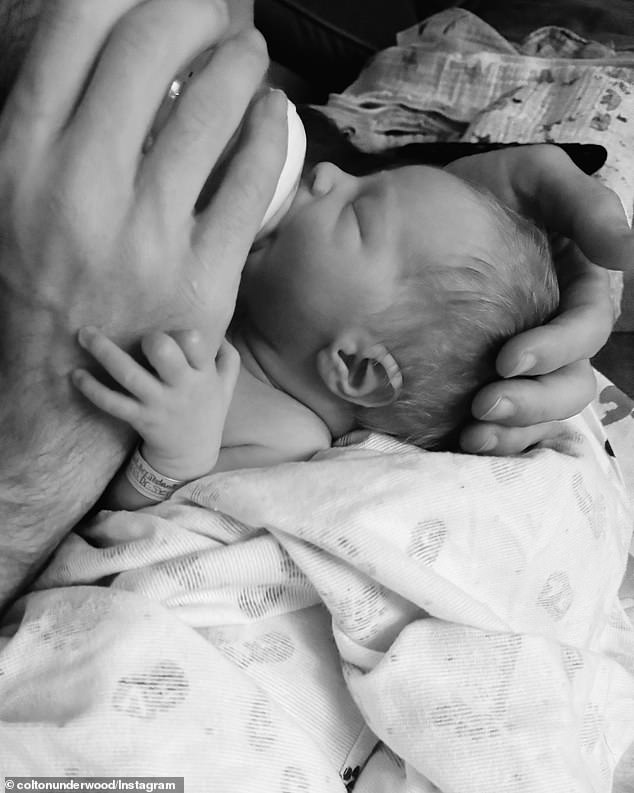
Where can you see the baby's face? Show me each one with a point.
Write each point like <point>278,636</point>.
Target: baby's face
<point>347,243</point>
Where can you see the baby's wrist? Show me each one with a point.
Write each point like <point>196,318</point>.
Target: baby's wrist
<point>147,480</point>
<point>183,468</point>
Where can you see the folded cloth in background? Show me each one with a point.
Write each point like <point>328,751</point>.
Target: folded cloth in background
<point>454,78</point>
<point>405,620</point>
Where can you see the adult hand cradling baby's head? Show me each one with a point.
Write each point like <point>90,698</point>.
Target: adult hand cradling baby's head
<point>551,374</point>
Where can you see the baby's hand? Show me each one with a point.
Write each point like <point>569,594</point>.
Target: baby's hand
<point>180,411</point>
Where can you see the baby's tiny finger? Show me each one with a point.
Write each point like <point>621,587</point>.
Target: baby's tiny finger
<point>194,347</point>
<point>493,439</point>
<point>112,402</point>
<point>119,365</point>
<point>165,356</point>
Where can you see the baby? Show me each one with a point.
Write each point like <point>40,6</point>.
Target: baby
<point>378,301</point>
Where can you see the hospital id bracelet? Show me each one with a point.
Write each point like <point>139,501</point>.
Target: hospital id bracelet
<point>148,481</point>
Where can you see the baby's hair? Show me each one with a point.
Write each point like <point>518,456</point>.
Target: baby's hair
<point>450,322</point>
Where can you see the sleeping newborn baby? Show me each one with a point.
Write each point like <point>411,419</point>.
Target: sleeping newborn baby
<point>376,302</point>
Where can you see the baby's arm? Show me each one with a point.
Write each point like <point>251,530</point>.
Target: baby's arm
<point>232,458</point>
<point>266,426</point>
<point>179,411</point>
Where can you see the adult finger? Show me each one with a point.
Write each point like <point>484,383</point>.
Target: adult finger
<point>145,51</point>
<point>203,122</point>
<point>236,208</point>
<point>521,402</point>
<point>68,38</point>
<point>488,439</point>
<point>576,205</point>
<point>580,329</point>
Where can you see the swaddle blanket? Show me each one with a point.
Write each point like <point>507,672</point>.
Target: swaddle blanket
<point>379,618</point>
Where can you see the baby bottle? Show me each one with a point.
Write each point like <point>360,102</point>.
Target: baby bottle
<point>288,181</point>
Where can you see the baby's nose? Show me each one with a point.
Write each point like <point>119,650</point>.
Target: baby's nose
<point>326,176</point>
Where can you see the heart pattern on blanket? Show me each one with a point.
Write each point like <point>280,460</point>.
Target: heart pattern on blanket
<point>294,781</point>
<point>144,695</point>
<point>270,648</point>
<point>428,537</point>
<point>260,729</point>
<point>557,595</point>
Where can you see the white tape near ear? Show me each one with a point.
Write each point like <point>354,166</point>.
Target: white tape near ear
<point>291,172</point>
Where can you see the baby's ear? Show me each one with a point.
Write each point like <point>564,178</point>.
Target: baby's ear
<point>359,370</point>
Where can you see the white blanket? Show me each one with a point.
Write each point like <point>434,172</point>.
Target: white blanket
<point>380,615</point>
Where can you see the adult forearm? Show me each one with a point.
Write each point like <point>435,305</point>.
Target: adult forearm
<point>93,233</point>
<point>46,433</point>
<point>57,453</point>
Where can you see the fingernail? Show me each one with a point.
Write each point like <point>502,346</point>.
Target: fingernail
<point>526,362</point>
<point>271,100</point>
<point>279,100</point>
<point>490,443</point>
<point>85,334</point>
<point>502,408</point>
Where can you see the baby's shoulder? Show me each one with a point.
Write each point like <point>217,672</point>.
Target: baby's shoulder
<point>261,415</point>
